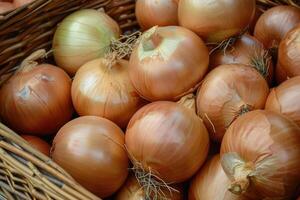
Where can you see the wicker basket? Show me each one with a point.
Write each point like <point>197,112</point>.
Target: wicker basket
<point>24,172</point>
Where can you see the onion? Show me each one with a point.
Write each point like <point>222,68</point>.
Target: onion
<point>285,99</point>
<point>132,190</point>
<point>261,154</point>
<point>83,36</point>
<point>210,178</point>
<point>274,24</point>
<point>36,100</point>
<point>168,63</point>
<point>289,54</point>
<point>150,13</point>
<point>91,149</point>
<point>19,3</point>
<point>102,87</point>
<point>167,140</point>
<point>228,92</point>
<point>5,7</point>
<point>258,13</point>
<point>38,144</point>
<point>216,21</point>
<point>248,51</point>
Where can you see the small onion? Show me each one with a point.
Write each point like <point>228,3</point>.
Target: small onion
<point>38,144</point>
<point>275,23</point>
<point>284,99</point>
<point>228,92</point>
<point>19,3</point>
<point>211,183</point>
<point>37,100</point>
<point>5,7</point>
<point>168,63</point>
<point>260,153</point>
<point>81,37</point>
<point>289,54</point>
<point>150,13</point>
<point>102,88</point>
<point>92,150</point>
<point>248,51</point>
<point>216,20</point>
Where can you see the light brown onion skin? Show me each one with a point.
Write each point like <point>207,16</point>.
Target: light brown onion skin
<point>37,101</point>
<point>105,90</point>
<point>5,7</point>
<point>216,20</point>
<point>168,64</point>
<point>268,143</point>
<point>224,92</point>
<point>38,144</point>
<point>284,99</point>
<point>212,183</point>
<point>248,51</point>
<point>275,23</point>
<point>132,190</point>
<point>91,150</point>
<point>150,13</point>
<point>169,139</point>
<point>289,54</point>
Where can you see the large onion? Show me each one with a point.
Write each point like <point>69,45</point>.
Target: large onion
<point>83,36</point>
<point>102,87</point>
<point>168,63</point>
<point>92,150</point>
<point>274,24</point>
<point>150,13</point>
<point>37,100</point>
<point>38,144</point>
<point>284,99</point>
<point>216,20</point>
<point>261,154</point>
<point>211,183</point>
<point>228,92</point>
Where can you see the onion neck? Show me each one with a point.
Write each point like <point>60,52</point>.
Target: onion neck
<point>188,101</point>
<point>152,40</point>
<point>245,108</point>
<point>30,62</point>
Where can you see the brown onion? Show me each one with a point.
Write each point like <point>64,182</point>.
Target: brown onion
<point>102,88</point>
<point>214,20</point>
<point>36,100</point>
<point>150,13</point>
<point>38,144</point>
<point>284,99</point>
<point>211,183</point>
<point>5,7</point>
<point>248,51</point>
<point>168,63</point>
<point>92,150</point>
<point>228,92</point>
<point>261,154</point>
<point>275,23</point>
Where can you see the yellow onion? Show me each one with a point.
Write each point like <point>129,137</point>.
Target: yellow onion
<point>81,37</point>
<point>102,88</point>
<point>168,63</point>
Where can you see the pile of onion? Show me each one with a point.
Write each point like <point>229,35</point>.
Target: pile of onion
<point>83,36</point>
<point>102,88</point>
<point>285,98</point>
<point>38,144</point>
<point>91,149</point>
<point>227,92</point>
<point>216,21</point>
<point>150,13</point>
<point>168,63</point>
<point>260,153</point>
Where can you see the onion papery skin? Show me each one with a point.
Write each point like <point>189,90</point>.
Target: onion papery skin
<point>210,178</point>
<point>38,144</point>
<point>227,92</point>
<point>168,63</point>
<point>103,88</point>
<point>275,23</point>
<point>132,190</point>
<point>284,99</point>
<point>216,20</point>
<point>151,13</point>
<point>289,54</point>
<point>37,100</point>
<point>246,50</point>
<point>258,13</point>
<point>260,153</point>
<point>169,139</point>
<point>91,149</point>
<point>81,37</point>
<point>6,6</point>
